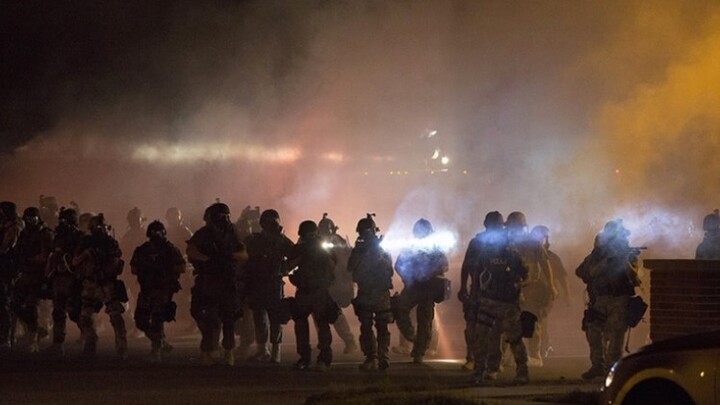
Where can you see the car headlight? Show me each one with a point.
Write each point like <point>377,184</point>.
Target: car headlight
<point>610,376</point>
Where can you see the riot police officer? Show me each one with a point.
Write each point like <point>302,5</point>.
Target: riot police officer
<point>10,227</point>
<point>372,270</point>
<point>610,273</point>
<point>493,224</point>
<point>33,249</point>
<point>341,289</point>
<point>64,278</point>
<point>313,277</point>
<point>267,264</point>
<point>417,266</point>
<point>158,265</point>
<point>216,254</point>
<point>496,288</point>
<point>539,289</point>
<point>98,259</point>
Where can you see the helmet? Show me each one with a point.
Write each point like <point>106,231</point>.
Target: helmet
<point>615,228</point>
<point>156,227</point>
<point>327,226</point>
<point>98,221</point>
<point>422,228</point>
<point>69,216</point>
<point>8,209</point>
<point>216,210</point>
<point>366,223</point>
<point>268,218</point>
<point>516,219</point>
<point>307,227</point>
<point>218,215</point>
<point>31,212</point>
<point>493,220</point>
<point>711,222</point>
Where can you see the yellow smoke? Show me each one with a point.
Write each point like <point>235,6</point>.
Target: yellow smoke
<point>664,137</point>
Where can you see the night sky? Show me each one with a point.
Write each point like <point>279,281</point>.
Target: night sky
<point>555,108</point>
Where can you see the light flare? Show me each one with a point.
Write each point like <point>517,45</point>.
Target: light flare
<point>444,241</point>
<point>178,153</point>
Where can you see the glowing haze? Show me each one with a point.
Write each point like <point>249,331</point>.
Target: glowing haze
<point>572,112</point>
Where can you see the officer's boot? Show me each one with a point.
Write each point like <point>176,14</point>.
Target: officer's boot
<point>275,355</point>
<point>522,375</point>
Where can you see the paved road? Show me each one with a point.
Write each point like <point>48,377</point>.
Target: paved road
<point>39,379</point>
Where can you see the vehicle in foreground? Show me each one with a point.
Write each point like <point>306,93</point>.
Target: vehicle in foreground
<point>676,371</point>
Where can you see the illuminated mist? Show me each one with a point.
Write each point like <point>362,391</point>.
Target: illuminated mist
<point>572,112</point>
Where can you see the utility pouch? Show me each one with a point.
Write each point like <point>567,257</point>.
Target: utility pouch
<point>636,311</point>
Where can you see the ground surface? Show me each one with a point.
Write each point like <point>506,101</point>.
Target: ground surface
<point>40,379</point>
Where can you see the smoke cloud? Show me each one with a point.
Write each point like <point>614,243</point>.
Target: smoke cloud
<point>573,112</point>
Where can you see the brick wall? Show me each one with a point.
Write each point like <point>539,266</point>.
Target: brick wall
<point>684,297</point>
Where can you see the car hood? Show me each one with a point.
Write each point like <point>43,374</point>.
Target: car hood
<point>698,341</point>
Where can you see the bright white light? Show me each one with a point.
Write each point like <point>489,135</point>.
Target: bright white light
<point>445,160</point>
<point>436,154</point>
<point>443,240</point>
<point>432,133</point>
<point>327,245</point>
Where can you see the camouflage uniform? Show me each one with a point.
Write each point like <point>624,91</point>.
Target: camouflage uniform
<point>538,290</point>
<point>33,249</point>
<point>10,227</point>
<point>372,271</point>
<point>64,279</point>
<point>341,290</point>
<point>265,269</point>
<point>215,293</point>
<point>609,272</point>
<point>100,264</point>
<point>469,267</point>
<point>313,278</point>
<point>157,265</point>
<point>496,294</point>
